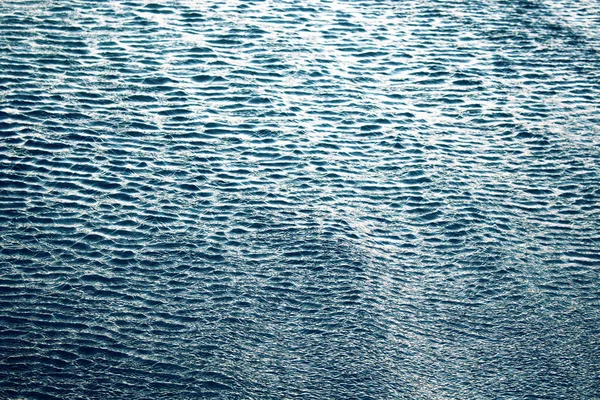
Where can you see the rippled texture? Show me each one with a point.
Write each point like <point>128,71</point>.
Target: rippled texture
<point>300,199</point>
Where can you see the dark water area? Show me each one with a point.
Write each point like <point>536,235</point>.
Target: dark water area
<point>319,199</point>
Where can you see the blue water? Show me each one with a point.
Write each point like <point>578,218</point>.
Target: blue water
<point>316,199</point>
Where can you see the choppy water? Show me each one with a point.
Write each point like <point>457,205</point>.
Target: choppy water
<point>300,199</point>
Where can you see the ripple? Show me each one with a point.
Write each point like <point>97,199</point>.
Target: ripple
<point>328,200</point>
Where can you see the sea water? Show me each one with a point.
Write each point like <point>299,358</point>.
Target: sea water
<point>316,199</point>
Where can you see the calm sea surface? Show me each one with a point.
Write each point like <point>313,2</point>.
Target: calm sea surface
<point>316,199</point>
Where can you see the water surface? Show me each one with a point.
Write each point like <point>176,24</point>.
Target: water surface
<point>300,199</point>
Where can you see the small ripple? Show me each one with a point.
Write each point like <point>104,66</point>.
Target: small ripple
<point>328,200</point>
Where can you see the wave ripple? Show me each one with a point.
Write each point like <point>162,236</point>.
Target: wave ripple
<point>339,199</point>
